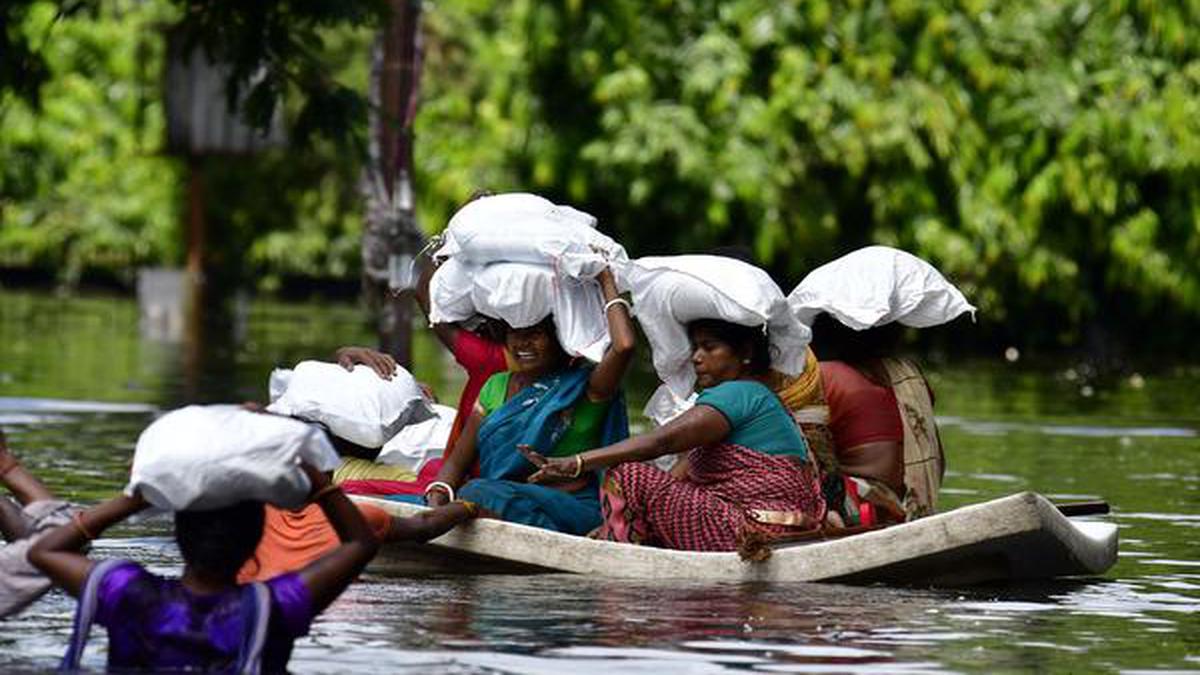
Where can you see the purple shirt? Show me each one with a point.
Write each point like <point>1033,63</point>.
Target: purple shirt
<point>156,623</point>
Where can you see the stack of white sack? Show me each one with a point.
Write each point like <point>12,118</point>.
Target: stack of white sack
<point>522,227</point>
<point>877,285</point>
<point>670,292</point>
<point>520,258</point>
<point>416,444</point>
<point>207,457</point>
<point>359,405</point>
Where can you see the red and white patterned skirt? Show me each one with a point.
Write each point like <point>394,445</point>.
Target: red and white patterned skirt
<point>710,509</point>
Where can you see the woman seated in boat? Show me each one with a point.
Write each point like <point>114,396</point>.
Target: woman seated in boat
<point>552,404</point>
<point>889,456</point>
<point>748,474</point>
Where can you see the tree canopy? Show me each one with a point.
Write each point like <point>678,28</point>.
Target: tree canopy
<point>1042,154</point>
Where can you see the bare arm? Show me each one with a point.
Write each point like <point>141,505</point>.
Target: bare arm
<point>429,524</point>
<point>461,458</point>
<point>24,486</point>
<point>446,332</point>
<point>607,375</point>
<point>57,553</point>
<point>327,576</point>
<point>702,425</point>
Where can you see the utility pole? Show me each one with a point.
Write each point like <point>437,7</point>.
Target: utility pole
<point>391,237</point>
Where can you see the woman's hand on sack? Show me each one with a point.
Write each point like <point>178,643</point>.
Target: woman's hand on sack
<point>383,364</point>
<point>550,469</point>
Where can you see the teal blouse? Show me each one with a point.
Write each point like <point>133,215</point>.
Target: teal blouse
<point>757,417</point>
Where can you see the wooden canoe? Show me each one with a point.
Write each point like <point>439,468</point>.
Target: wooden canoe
<point>1019,537</point>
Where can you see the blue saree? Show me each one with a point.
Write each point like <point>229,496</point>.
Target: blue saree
<point>538,416</point>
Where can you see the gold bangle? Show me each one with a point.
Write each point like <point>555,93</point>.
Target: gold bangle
<point>578,466</point>
<point>325,491</point>
<point>471,507</point>
<point>77,519</point>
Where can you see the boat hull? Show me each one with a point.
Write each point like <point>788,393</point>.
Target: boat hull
<point>1019,537</point>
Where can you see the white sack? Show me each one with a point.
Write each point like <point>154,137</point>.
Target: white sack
<point>522,294</point>
<point>664,406</point>
<point>670,292</point>
<point>521,227</point>
<point>418,443</point>
<point>358,406</point>
<point>207,457</point>
<point>877,285</point>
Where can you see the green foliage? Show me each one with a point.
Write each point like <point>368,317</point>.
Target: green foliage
<point>81,181</point>
<point>1043,154</point>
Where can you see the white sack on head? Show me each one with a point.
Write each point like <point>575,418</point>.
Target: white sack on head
<point>208,457</point>
<point>521,227</point>
<point>522,294</point>
<point>418,443</point>
<point>357,405</point>
<point>877,285</point>
<point>670,292</point>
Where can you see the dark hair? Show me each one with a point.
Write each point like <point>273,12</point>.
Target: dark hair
<point>220,541</point>
<point>834,341</point>
<point>747,341</point>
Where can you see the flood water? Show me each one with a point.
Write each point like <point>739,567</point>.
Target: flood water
<point>79,380</point>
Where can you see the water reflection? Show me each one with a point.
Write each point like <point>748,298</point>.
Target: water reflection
<point>1008,431</point>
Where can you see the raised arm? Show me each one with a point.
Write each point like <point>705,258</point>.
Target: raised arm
<point>702,425</point>
<point>57,553</point>
<point>327,576</point>
<point>607,375</point>
<point>461,458</point>
<point>446,332</point>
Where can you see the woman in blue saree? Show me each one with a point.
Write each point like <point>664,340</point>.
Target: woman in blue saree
<point>549,404</point>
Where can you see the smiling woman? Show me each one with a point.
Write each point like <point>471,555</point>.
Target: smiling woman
<point>553,406</point>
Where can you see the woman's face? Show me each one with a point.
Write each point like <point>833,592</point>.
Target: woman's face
<point>534,349</point>
<point>714,361</point>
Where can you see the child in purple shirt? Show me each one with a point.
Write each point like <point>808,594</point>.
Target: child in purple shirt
<point>204,620</point>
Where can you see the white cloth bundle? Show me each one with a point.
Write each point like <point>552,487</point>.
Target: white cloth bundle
<point>357,405</point>
<point>877,285</point>
<point>207,457</point>
<point>521,227</point>
<point>418,443</point>
<point>522,294</point>
<point>670,292</point>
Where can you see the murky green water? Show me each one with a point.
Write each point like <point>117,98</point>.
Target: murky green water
<point>1133,441</point>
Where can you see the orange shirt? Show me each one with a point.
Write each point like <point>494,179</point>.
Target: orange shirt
<point>293,539</point>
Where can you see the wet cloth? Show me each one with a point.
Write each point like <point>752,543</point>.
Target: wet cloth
<point>540,415</point>
<point>728,490</point>
<point>293,539</point>
<point>20,582</point>
<point>757,418</point>
<point>156,623</point>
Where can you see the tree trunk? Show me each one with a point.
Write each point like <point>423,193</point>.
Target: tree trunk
<point>391,236</point>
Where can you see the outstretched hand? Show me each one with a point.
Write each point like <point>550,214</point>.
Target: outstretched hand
<point>383,364</point>
<point>550,469</point>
